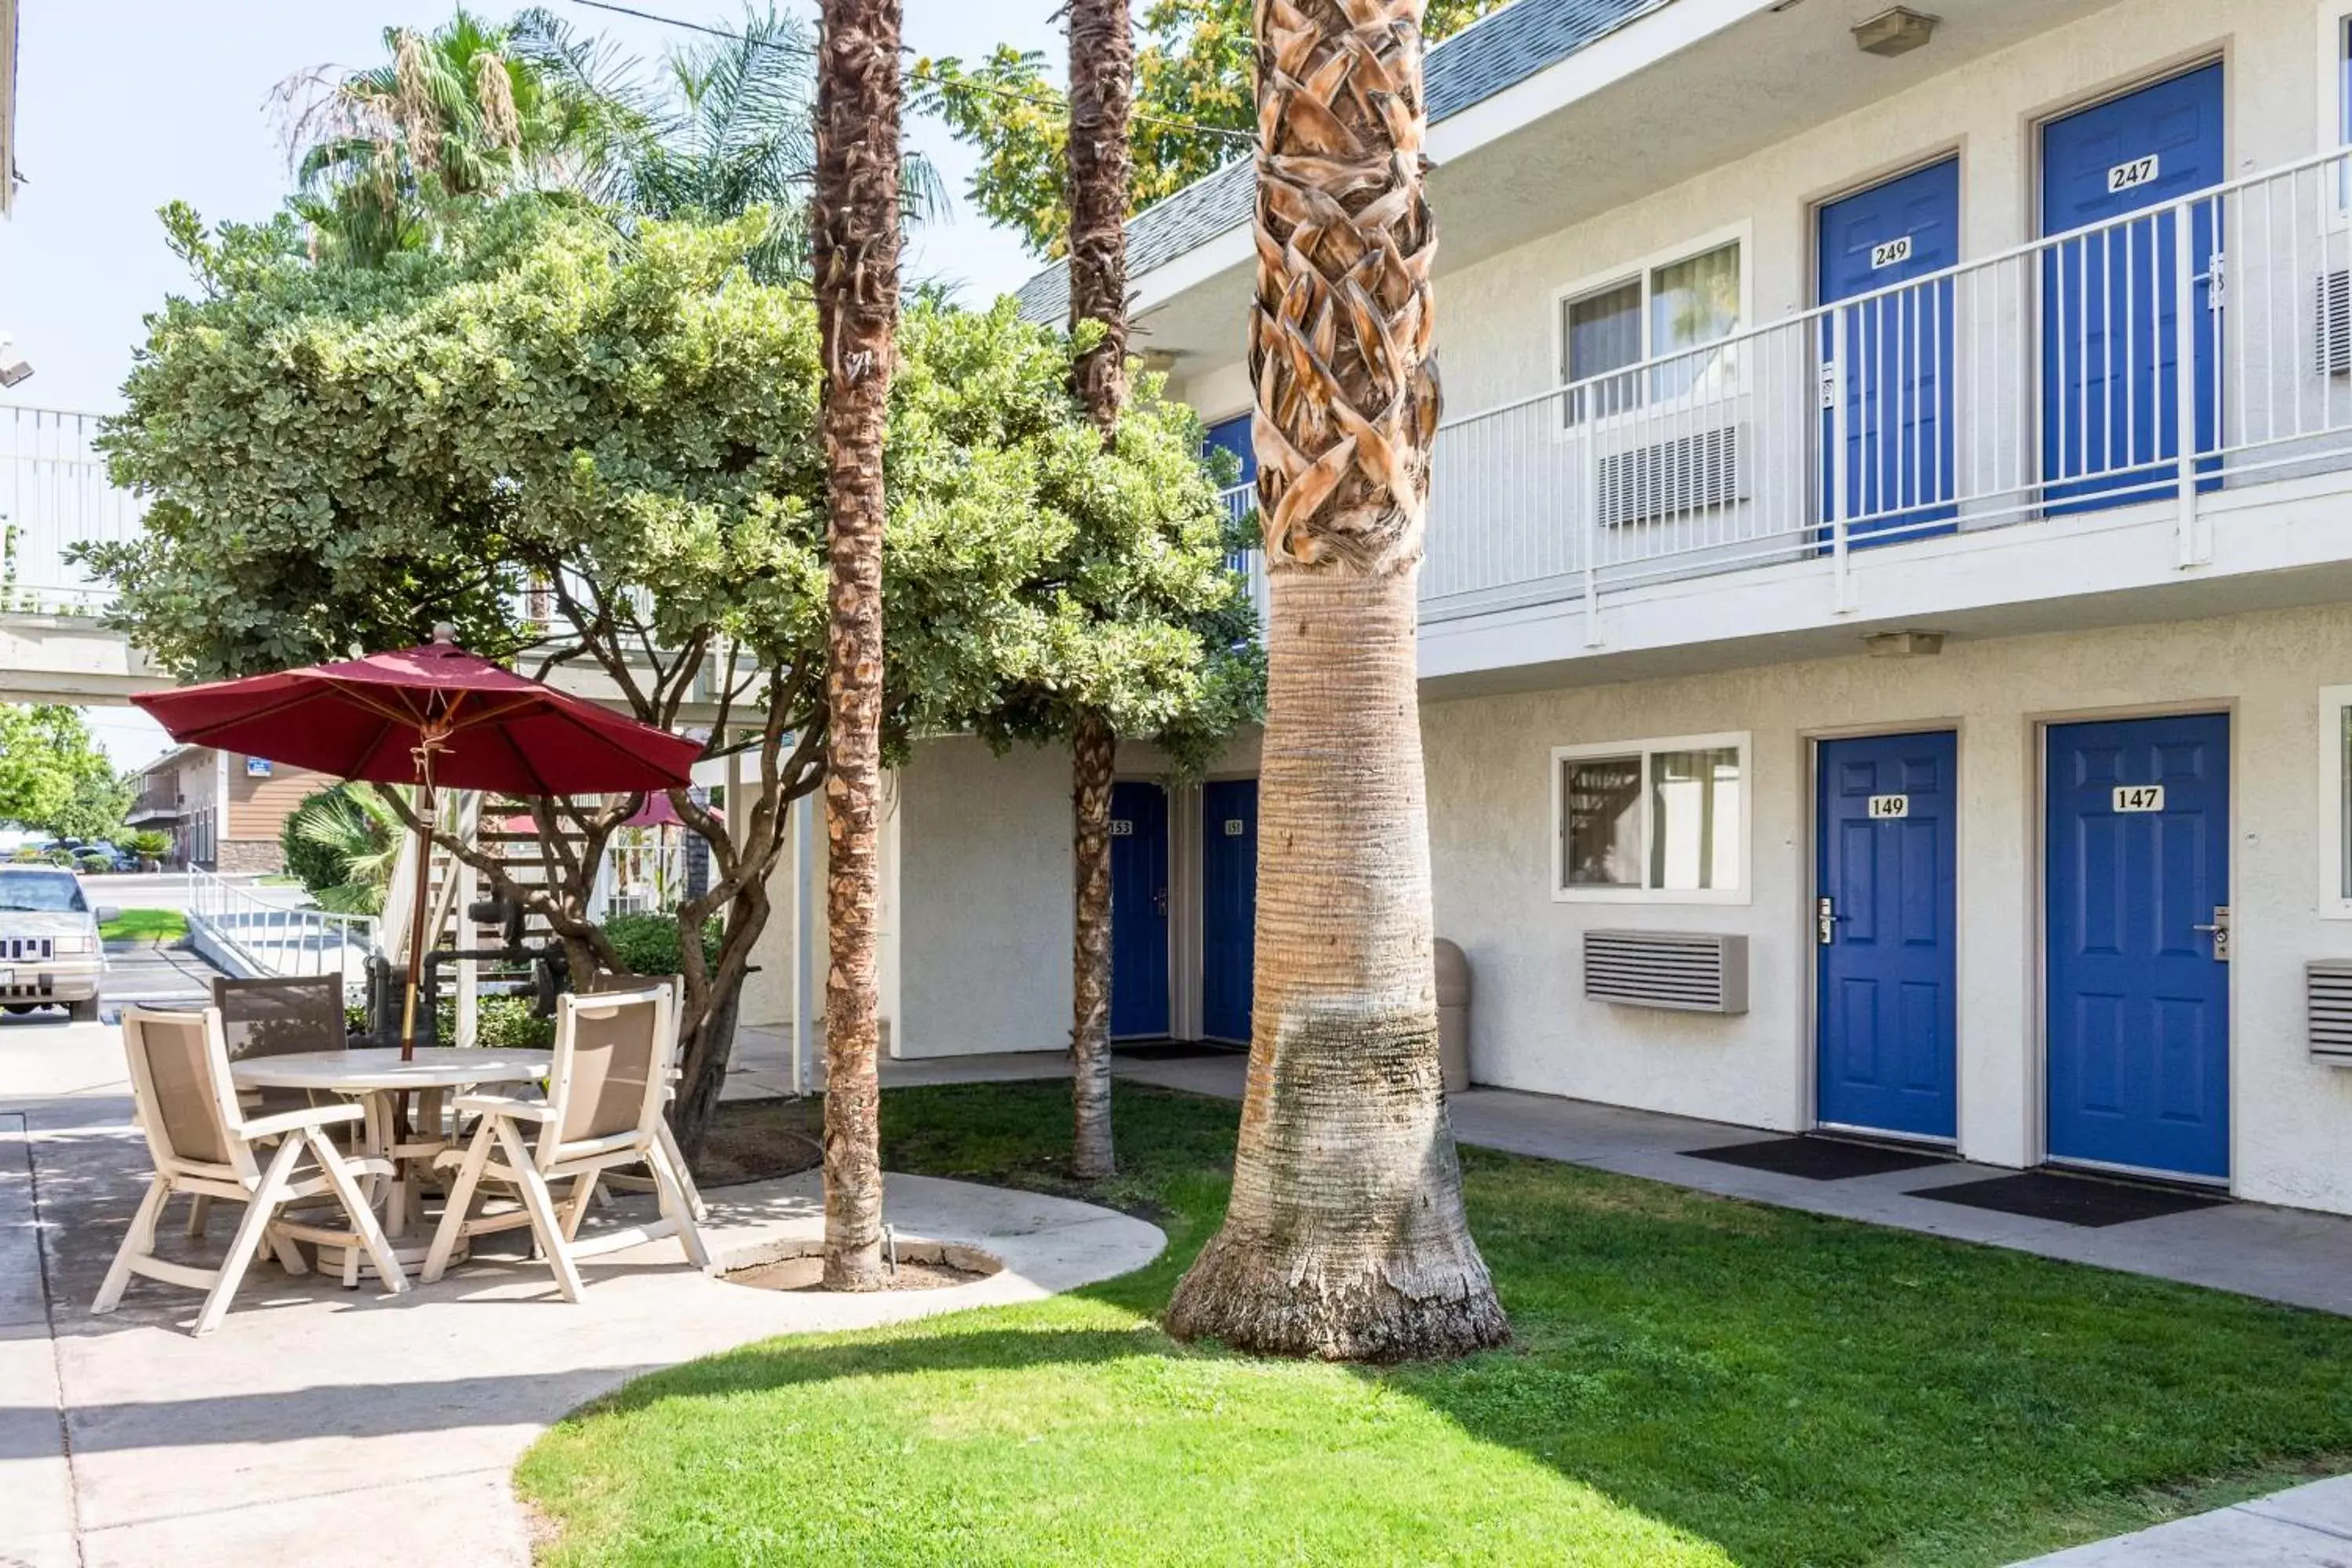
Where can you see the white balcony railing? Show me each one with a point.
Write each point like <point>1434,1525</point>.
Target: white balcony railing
<point>2047,381</point>
<point>54,495</point>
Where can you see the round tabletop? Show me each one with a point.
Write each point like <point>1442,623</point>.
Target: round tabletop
<point>378,1069</point>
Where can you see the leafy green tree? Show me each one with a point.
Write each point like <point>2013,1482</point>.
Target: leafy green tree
<point>603,454</point>
<point>1195,111</point>
<point>55,778</point>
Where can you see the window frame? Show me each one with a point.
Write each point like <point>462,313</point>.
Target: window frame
<point>2333,59</point>
<point>2334,806</point>
<point>1644,270</point>
<point>1739,740</point>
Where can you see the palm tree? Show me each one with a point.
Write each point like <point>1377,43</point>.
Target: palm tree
<point>461,114</point>
<point>355,824</point>
<point>1102,91</point>
<point>854,252</point>
<point>726,126</point>
<point>1345,1236</point>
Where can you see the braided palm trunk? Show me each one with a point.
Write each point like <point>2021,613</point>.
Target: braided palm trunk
<point>1102,91</point>
<point>855,257</point>
<point>1346,1237</point>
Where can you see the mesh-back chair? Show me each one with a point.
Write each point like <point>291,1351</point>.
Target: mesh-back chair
<point>275,1017</point>
<point>205,1145</point>
<point>609,982</point>
<point>606,1088</point>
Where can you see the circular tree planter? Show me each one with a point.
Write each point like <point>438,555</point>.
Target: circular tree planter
<point>921,1265</point>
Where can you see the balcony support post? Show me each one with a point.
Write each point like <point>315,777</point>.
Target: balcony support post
<point>1836,476</point>
<point>1588,487</point>
<point>2185,372</point>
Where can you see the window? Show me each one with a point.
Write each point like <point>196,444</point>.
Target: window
<point>2335,802</point>
<point>1662,821</point>
<point>1671,311</point>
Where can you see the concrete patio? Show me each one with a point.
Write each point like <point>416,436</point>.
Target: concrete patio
<point>317,1419</point>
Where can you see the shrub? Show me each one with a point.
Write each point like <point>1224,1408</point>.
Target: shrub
<point>314,864</point>
<point>647,944</point>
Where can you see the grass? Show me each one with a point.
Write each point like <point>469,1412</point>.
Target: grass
<point>1695,1381</point>
<point>145,925</point>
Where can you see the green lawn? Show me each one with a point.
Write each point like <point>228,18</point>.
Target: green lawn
<point>1696,1381</point>
<point>145,925</point>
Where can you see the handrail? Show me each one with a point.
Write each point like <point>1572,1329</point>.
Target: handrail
<point>2024,248</point>
<point>276,939</point>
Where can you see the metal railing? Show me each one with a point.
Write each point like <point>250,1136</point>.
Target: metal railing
<point>54,495</point>
<point>277,940</point>
<point>2051,379</point>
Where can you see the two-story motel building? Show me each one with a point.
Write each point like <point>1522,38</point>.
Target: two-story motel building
<point>1812,561</point>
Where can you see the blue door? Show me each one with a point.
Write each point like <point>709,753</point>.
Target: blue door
<point>1898,477</point>
<point>2111,332</point>
<point>1228,906</point>
<point>1138,910</point>
<point>1888,843</point>
<point>2138,1006</point>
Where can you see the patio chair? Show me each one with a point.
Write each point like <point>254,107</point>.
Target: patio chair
<point>270,1018</point>
<point>202,1143</point>
<point>608,982</point>
<point>606,1084</point>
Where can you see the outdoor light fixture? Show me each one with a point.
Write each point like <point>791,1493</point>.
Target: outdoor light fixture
<point>13,367</point>
<point>1904,645</point>
<point>1895,31</point>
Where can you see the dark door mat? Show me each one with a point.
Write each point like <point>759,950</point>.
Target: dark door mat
<point>1174,1050</point>
<point>2071,1199</point>
<point>1819,1159</point>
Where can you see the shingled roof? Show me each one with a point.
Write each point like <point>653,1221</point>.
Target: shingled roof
<point>1497,52</point>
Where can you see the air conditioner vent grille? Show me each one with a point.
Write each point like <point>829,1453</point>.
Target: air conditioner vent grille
<point>1668,478</point>
<point>1686,972</point>
<point>2331,341</point>
<point>2327,1002</point>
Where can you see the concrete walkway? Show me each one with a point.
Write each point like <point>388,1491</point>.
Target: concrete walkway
<point>2304,1527</point>
<point>318,1424</point>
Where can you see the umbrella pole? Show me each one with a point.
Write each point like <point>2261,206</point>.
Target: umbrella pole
<point>416,966</point>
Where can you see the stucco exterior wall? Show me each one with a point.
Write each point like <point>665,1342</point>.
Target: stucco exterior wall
<point>1491,830</point>
<point>984,890</point>
<point>984,878</point>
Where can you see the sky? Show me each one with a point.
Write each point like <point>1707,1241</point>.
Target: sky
<point>123,105</point>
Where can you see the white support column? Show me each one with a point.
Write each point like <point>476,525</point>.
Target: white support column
<point>469,973</point>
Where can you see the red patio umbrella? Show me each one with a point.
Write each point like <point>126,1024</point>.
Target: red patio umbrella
<point>428,716</point>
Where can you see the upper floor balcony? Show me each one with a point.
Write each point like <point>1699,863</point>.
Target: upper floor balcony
<point>55,495</point>
<point>1997,445</point>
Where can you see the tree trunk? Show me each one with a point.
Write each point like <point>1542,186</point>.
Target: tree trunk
<point>856,256</point>
<point>1094,752</point>
<point>1102,92</point>
<point>1346,1237</point>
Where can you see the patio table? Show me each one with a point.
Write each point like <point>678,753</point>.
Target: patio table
<point>381,1081</point>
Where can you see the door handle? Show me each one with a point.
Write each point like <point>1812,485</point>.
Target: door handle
<point>2220,932</point>
<point>1825,918</point>
<point>1160,902</point>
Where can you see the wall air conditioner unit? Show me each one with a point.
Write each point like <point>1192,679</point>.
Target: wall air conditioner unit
<point>1685,474</point>
<point>1684,972</point>
<point>2332,338</point>
<point>2328,1010</point>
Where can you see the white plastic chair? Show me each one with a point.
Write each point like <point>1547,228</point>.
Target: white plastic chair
<point>202,1144</point>
<point>606,1088</point>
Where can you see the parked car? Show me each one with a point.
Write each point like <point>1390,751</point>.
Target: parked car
<point>50,954</point>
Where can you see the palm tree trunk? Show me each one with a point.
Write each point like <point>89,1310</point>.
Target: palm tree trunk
<point>857,277</point>
<point>1102,91</point>
<point>1345,1237</point>
<point>1094,750</point>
